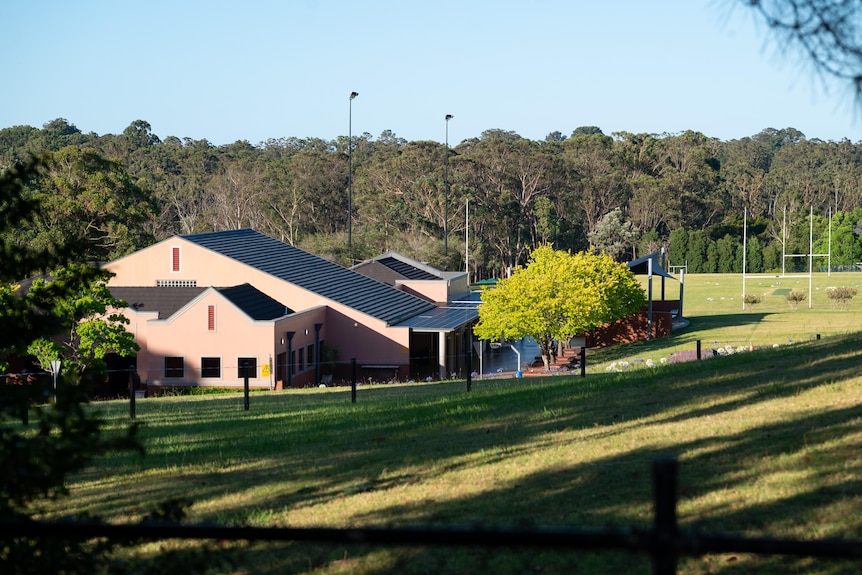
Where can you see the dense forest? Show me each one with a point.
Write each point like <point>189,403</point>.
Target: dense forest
<point>624,194</point>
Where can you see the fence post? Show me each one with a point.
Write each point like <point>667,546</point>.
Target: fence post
<point>353,380</point>
<point>25,415</point>
<point>583,361</point>
<point>698,350</point>
<point>470,362</point>
<point>132,407</point>
<point>665,530</point>
<point>245,382</point>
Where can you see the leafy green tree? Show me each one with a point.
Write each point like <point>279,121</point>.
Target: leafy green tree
<point>726,255</point>
<point>613,235</point>
<point>88,312</point>
<point>88,202</point>
<point>754,258</point>
<point>677,247</point>
<point>558,295</point>
<point>696,251</point>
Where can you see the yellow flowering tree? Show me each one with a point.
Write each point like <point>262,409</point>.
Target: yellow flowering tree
<point>556,296</point>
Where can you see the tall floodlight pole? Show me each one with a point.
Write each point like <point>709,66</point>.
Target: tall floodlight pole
<point>350,175</point>
<point>446,194</point>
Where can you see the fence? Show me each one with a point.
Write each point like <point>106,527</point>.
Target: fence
<point>664,542</point>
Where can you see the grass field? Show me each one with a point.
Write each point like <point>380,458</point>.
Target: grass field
<point>768,443</point>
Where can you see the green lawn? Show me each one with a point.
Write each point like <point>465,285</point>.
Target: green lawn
<point>768,444</point>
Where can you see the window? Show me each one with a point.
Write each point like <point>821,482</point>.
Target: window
<point>292,362</point>
<point>312,360</point>
<point>211,318</point>
<point>252,367</point>
<point>300,355</point>
<point>174,367</point>
<point>211,367</point>
<point>175,259</point>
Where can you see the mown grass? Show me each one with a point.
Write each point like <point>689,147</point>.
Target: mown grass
<point>768,444</point>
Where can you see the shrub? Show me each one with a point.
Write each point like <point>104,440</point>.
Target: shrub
<point>750,300</point>
<point>793,299</point>
<point>841,296</point>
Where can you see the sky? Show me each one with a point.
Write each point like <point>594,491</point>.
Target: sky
<point>265,69</point>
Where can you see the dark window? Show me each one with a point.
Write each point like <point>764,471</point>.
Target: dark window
<point>210,367</point>
<point>312,360</point>
<point>174,367</point>
<point>252,367</point>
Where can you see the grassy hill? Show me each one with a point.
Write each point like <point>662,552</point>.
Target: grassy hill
<point>768,443</point>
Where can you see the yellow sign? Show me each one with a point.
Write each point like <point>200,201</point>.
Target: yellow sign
<point>264,370</point>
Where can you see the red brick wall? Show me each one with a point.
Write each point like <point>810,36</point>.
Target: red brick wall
<point>635,327</point>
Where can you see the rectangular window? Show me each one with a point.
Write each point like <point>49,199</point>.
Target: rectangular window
<point>292,362</point>
<point>174,367</point>
<point>249,363</point>
<point>211,318</point>
<point>312,359</point>
<point>175,259</point>
<point>300,355</point>
<point>211,367</point>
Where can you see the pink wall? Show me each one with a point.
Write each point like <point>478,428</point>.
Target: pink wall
<point>353,333</point>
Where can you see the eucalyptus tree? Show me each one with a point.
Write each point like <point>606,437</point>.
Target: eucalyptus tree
<point>688,170</point>
<point>404,191</point>
<point>88,201</point>
<point>596,184</point>
<point>744,166</point>
<point>506,175</point>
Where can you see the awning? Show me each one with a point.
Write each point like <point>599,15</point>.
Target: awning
<point>640,266</point>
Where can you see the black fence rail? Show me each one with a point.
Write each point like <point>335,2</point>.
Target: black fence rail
<point>664,542</point>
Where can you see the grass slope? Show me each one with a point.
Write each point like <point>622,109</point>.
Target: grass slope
<point>768,444</point>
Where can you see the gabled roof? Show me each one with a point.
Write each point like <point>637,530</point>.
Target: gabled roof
<point>393,266</point>
<point>640,266</point>
<point>313,273</point>
<point>165,301</point>
<point>253,302</point>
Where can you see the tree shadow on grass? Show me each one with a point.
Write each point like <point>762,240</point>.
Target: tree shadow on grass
<point>292,456</point>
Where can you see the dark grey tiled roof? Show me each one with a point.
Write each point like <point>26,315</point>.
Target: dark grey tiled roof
<point>164,300</point>
<point>408,271</point>
<point>169,300</point>
<point>256,304</point>
<point>313,273</point>
<point>376,270</point>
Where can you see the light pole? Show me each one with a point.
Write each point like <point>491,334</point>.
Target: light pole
<point>446,194</point>
<point>350,176</point>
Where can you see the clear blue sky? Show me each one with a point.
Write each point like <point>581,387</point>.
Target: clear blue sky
<point>260,69</point>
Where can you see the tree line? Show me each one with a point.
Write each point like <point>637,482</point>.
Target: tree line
<point>623,194</point>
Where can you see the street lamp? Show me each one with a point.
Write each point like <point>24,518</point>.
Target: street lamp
<point>446,195</point>
<point>350,176</point>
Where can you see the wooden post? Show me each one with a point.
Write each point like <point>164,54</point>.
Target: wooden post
<point>583,361</point>
<point>245,382</point>
<point>665,529</point>
<point>353,380</point>
<point>132,407</point>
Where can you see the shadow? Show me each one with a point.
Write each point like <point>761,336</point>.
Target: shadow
<point>435,455</point>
